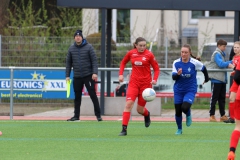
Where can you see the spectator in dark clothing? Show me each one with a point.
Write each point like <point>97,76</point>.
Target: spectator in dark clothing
<point>231,54</point>
<point>121,90</point>
<point>230,119</point>
<point>82,58</point>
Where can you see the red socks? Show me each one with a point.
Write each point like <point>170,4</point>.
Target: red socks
<point>231,110</point>
<point>145,112</point>
<point>125,118</point>
<point>234,139</point>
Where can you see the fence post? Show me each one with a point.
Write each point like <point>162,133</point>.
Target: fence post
<point>103,60</point>
<point>11,92</point>
<point>166,52</point>
<point>166,60</point>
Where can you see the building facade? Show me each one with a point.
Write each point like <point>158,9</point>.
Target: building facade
<point>171,26</point>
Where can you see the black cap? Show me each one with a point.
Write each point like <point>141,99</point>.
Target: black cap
<point>78,32</point>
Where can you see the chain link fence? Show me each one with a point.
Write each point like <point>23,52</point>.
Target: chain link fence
<point>26,51</point>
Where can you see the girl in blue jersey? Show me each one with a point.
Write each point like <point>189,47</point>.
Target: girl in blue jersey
<point>184,73</point>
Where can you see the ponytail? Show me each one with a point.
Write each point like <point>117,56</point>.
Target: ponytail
<point>197,58</point>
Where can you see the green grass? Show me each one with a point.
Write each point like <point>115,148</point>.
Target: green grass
<point>91,140</point>
<point>199,103</point>
<point>170,105</point>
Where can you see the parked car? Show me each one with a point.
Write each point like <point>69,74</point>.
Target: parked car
<point>209,48</point>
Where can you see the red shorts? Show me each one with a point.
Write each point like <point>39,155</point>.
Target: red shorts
<point>234,87</point>
<point>135,89</point>
<point>237,109</point>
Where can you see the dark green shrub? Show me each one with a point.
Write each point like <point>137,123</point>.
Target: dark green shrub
<point>95,40</point>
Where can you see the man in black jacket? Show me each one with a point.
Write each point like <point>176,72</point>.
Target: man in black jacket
<point>82,58</point>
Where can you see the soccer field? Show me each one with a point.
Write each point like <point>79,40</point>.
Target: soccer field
<point>92,140</point>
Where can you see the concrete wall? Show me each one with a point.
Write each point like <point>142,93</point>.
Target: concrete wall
<point>210,27</point>
<point>144,23</point>
<point>171,25</point>
<point>114,106</point>
<point>89,21</point>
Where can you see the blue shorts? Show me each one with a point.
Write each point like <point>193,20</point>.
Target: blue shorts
<point>179,98</point>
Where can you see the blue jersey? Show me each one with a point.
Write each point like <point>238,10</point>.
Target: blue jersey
<point>187,82</point>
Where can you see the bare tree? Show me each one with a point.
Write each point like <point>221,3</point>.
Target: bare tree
<point>3,13</point>
<point>206,38</point>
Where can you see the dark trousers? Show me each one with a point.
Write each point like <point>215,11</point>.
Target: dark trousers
<point>89,83</point>
<point>218,95</point>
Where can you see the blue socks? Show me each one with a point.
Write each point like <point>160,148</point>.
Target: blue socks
<point>188,118</point>
<point>179,122</point>
<point>188,113</point>
<point>179,125</point>
<point>188,121</point>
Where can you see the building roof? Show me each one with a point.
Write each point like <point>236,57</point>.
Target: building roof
<point>216,5</point>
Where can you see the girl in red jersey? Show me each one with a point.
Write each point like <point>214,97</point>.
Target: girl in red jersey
<point>235,90</point>
<point>141,78</point>
<point>234,86</point>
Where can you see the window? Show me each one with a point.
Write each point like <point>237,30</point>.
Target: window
<point>217,13</point>
<point>122,20</point>
<point>123,25</point>
<point>226,37</point>
<point>195,14</point>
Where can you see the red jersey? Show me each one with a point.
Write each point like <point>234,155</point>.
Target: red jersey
<point>236,59</point>
<point>238,91</point>
<point>141,62</point>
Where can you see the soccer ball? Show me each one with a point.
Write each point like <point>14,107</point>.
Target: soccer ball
<point>148,94</point>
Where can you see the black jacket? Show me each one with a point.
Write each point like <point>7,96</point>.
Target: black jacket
<point>82,59</point>
<point>231,54</point>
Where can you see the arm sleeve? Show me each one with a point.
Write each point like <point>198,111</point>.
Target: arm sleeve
<point>93,60</point>
<point>68,63</point>
<point>175,76</point>
<point>123,63</point>
<point>155,67</point>
<point>205,72</point>
<point>198,65</point>
<point>220,62</point>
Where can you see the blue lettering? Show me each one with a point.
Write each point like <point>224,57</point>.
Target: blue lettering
<point>57,85</point>
<point>52,85</point>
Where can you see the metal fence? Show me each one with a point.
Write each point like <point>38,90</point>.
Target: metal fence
<point>23,51</point>
<point>32,105</point>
